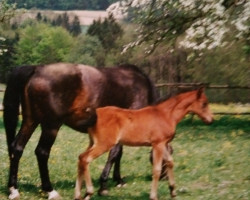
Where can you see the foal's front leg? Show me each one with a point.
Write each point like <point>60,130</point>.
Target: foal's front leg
<point>170,166</point>
<point>158,151</point>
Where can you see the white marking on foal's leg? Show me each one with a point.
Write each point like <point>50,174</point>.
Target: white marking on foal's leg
<point>14,194</point>
<point>78,188</point>
<point>54,195</point>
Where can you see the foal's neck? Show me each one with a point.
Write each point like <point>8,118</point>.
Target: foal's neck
<point>177,107</point>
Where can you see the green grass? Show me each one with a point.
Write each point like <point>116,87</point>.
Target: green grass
<point>211,163</point>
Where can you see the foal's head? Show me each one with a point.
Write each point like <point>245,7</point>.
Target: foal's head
<point>201,108</point>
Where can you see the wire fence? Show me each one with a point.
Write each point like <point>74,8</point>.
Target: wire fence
<point>216,93</point>
<point>172,88</point>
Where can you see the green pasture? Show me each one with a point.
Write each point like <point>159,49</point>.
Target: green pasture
<point>211,163</point>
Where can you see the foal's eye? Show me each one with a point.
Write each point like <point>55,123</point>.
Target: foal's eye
<point>204,105</point>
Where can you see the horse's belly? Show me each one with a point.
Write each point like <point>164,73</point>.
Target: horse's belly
<point>81,122</point>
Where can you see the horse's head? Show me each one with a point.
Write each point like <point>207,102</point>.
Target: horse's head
<point>200,107</point>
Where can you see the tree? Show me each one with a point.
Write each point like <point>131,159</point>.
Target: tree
<point>7,37</point>
<point>87,50</point>
<point>42,44</point>
<point>200,24</point>
<point>7,11</point>
<point>107,31</point>
<point>191,41</point>
<point>39,16</point>
<point>75,28</point>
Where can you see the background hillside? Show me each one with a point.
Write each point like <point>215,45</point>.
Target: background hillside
<point>171,41</point>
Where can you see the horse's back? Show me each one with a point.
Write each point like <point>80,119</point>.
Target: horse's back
<point>128,87</point>
<point>63,91</point>
<point>70,93</point>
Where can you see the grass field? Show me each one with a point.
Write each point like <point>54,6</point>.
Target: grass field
<point>211,163</point>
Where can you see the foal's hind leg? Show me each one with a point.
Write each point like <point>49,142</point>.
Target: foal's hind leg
<point>42,151</point>
<point>114,157</point>
<point>83,170</point>
<point>18,146</point>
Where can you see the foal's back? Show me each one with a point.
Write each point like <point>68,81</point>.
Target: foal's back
<point>140,127</point>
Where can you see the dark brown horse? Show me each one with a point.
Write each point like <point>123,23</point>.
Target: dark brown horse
<point>150,126</point>
<point>57,94</point>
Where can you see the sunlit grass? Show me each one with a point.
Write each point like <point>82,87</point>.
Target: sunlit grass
<point>211,163</point>
<point>231,107</point>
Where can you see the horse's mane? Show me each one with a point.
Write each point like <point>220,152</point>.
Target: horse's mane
<point>153,94</point>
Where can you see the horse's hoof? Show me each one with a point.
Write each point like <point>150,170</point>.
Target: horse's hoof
<point>14,194</point>
<point>121,185</point>
<point>54,195</point>
<point>103,192</point>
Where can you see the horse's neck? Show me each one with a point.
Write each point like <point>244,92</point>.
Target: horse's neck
<point>177,107</point>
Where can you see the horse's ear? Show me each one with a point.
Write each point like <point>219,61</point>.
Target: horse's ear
<point>199,92</point>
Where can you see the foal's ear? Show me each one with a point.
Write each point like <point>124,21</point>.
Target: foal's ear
<point>199,92</point>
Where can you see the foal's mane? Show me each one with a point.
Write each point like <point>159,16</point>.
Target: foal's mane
<point>169,96</point>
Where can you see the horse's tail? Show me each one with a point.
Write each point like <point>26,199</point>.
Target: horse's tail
<point>12,99</point>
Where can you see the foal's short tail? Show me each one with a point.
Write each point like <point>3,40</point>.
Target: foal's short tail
<point>12,99</point>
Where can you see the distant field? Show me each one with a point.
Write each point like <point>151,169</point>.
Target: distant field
<point>86,17</point>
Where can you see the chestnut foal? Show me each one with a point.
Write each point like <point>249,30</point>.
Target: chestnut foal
<point>150,126</point>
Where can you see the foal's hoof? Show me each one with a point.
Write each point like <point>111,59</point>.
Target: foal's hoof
<point>14,194</point>
<point>173,194</point>
<point>54,195</point>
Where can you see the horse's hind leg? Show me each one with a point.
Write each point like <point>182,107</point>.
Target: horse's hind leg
<point>18,146</point>
<point>114,157</point>
<point>42,151</point>
<point>117,168</point>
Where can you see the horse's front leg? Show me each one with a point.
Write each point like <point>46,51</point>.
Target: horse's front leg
<point>170,165</point>
<point>42,151</point>
<point>158,151</point>
<point>16,153</point>
<point>114,157</point>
